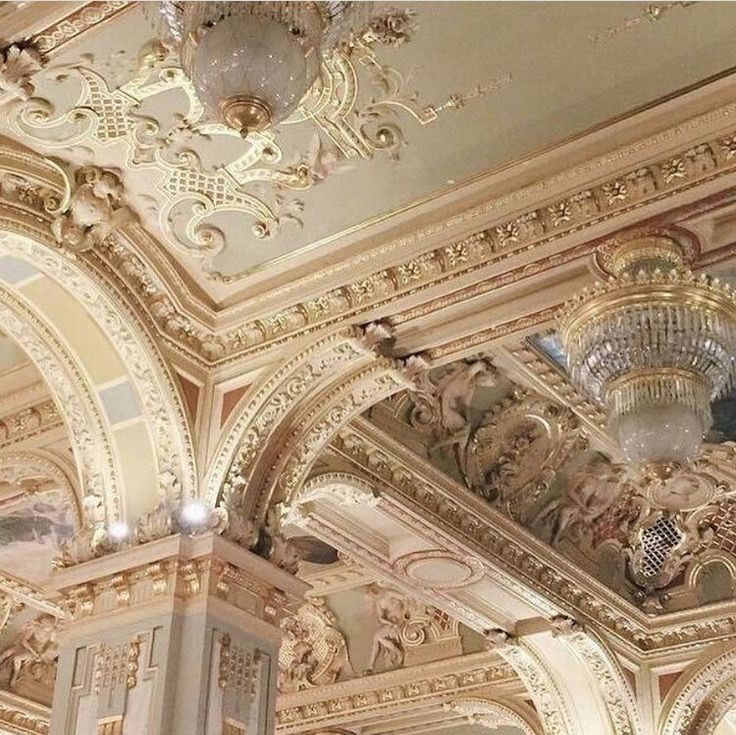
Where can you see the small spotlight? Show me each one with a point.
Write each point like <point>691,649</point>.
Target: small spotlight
<point>118,531</point>
<point>195,514</point>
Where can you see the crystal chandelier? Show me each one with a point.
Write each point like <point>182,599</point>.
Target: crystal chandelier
<point>654,345</point>
<point>252,62</point>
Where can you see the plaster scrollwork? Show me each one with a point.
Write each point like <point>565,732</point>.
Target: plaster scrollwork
<point>258,177</point>
<point>313,651</point>
<point>662,543</point>
<point>511,455</point>
<point>29,421</point>
<point>292,415</point>
<point>442,407</point>
<point>493,714</point>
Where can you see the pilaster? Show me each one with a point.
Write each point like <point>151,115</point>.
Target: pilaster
<point>175,637</point>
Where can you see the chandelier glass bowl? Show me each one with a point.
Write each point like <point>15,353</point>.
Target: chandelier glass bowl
<point>654,345</point>
<point>251,63</point>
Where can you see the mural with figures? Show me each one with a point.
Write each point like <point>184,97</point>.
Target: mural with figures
<point>36,516</point>
<point>534,460</point>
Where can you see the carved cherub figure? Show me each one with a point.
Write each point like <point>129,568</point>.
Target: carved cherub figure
<point>456,389</point>
<point>391,612</point>
<point>444,407</point>
<point>36,646</point>
<point>590,494</point>
<point>94,209</point>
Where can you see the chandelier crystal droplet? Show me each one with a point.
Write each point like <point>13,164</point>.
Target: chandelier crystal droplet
<point>654,345</point>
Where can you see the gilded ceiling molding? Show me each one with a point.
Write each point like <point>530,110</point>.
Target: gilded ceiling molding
<point>371,698</point>
<point>461,258</point>
<point>23,717</point>
<point>589,206</point>
<point>89,15</point>
<point>355,491</point>
<point>288,416</point>
<point>493,714</point>
<point>74,397</point>
<point>554,380</point>
<point>27,396</point>
<point>703,694</point>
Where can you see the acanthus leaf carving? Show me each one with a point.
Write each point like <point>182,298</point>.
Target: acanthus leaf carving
<point>18,64</point>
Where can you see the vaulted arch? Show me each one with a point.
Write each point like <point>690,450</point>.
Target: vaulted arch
<point>703,694</point>
<point>110,382</point>
<point>291,414</point>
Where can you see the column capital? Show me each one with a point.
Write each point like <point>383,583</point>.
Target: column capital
<point>177,574</point>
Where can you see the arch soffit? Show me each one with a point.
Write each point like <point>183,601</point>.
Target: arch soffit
<point>704,693</point>
<point>287,416</point>
<point>493,713</point>
<point>135,375</point>
<point>90,438</point>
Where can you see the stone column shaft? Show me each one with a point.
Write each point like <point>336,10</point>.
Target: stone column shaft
<point>175,637</point>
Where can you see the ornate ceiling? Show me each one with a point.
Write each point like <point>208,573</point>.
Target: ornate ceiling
<point>338,337</point>
<point>400,116</point>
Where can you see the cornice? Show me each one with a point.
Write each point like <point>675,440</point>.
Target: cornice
<point>85,17</point>
<point>414,485</point>
<point>394,690</point>
<point>23,397</point>
<point>21,716</point>
<point>559,213</point>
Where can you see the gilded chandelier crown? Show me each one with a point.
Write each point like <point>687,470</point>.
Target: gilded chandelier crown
<point>654,345</point>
